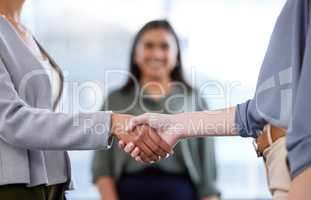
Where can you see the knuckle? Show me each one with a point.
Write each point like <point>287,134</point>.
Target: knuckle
<point>142,134</point>
<point>137,140</point>
<point>145,129</point>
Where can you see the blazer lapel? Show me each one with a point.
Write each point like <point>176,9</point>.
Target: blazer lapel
<point>57,68</point>
<point>29,67</point>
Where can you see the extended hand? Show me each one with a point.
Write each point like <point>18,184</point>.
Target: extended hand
<point>173,128</point>
<point>169,127</point>
<point>152,147</point>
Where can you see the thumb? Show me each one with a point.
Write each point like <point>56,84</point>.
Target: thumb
<point>136,121</point>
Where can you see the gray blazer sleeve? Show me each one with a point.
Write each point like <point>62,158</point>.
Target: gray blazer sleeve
<point>207,157</point>
<point>39,129</point>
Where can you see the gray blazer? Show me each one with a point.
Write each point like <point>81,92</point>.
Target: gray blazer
<point>29,129</point>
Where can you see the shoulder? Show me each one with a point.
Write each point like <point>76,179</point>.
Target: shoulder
<point>115,93</point>
<point>9,43</point>
<point>6,30</point>
<point>118,99</point>
<point>120,93</point>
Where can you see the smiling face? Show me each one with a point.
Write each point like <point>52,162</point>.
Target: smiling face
<point>156,54</point>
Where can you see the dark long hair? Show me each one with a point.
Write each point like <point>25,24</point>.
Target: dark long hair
<point>176,74</point>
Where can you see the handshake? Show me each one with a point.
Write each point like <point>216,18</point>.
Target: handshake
<point>149,137</point>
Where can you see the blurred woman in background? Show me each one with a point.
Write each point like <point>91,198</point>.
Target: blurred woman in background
<point>156,64</point>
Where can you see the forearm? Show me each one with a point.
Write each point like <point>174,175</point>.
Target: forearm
<point>107,189</point>
<point>211,193</point>
<point>173,128</point>
<point>208,186</point>
<point>210,198</point>
<point>300,188</point>
<point>207,123</point>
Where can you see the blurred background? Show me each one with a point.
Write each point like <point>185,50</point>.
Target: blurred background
<point>223,42</point>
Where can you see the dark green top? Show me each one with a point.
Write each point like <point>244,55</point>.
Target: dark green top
<point>195,157</point>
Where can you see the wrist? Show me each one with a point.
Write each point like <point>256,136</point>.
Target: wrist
<point>114,119</point>
<point>119,123</point>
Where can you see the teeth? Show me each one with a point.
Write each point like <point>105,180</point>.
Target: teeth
<point>155,63</point>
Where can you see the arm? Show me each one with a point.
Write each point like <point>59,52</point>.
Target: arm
<point>33,128</point>
<point>299,132</point>
<point>208,189</point>
<point>211,198</point>
<point>107,188</point>
<point>102,172</point>
<point>40,129</point>
<point>173,128</point>
<point>207,123</point>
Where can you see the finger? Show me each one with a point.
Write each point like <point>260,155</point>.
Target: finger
<point>135,121</point>
<point>151,155</point>
<point>164,148</point>
<point>143,158</point>
<point>129,148</point>
<point>156,150</point>
<point>138,159</point>
<point>135,152</point>
<point>146,159</point>
<point>121,145</point>
<point>145,149</point>
<point>152,144</point>
<point>154,157</point>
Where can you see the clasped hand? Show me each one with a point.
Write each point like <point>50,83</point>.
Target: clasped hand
<point>148,137</point>
<point>140,140</point>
